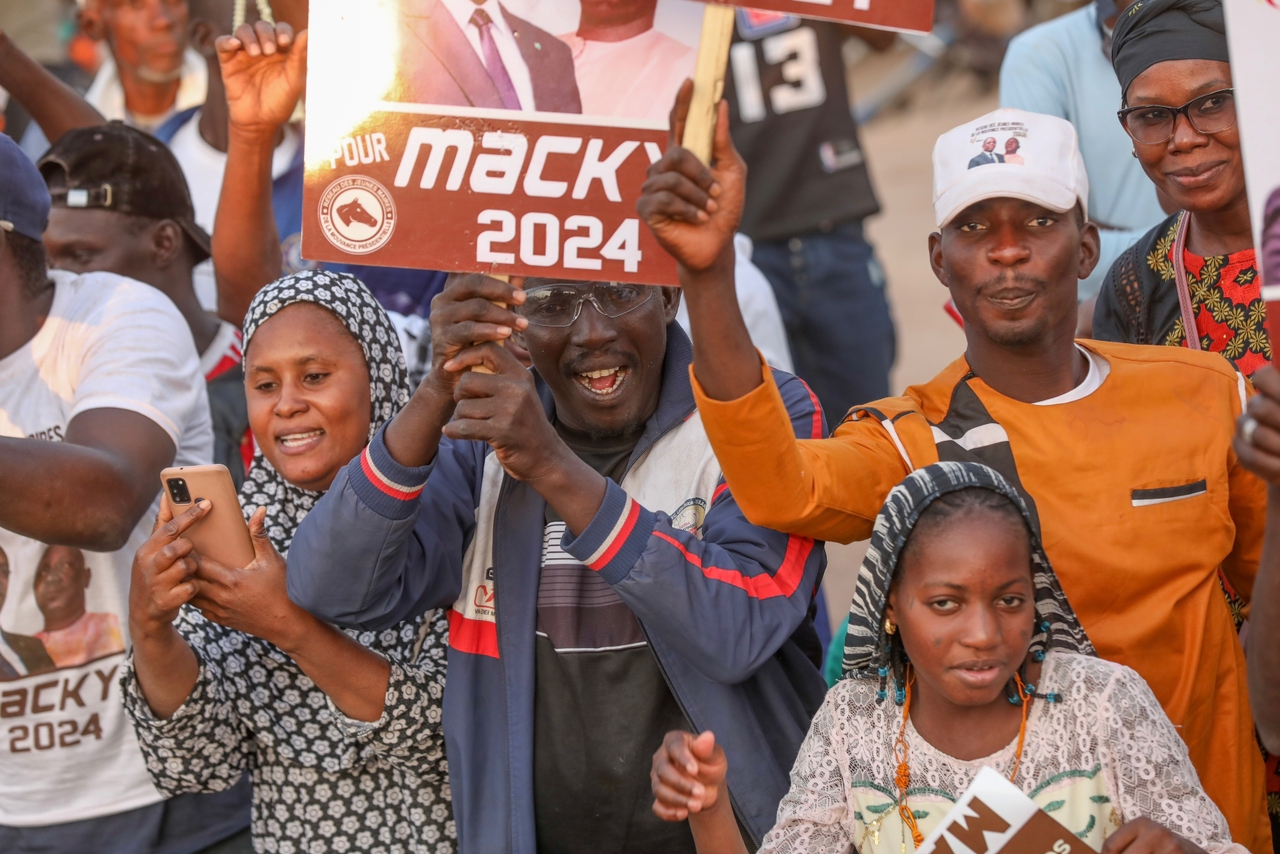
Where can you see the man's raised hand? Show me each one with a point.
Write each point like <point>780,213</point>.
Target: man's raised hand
<point>691,208</point>
<point>264,70</point>
<point>502,408</point>
<point>472,309</point>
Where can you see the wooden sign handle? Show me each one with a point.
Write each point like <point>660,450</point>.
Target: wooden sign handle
<point>708,79</point>
<point>502,277</point>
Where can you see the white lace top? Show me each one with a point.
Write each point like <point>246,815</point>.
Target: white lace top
<point>1100,757</point>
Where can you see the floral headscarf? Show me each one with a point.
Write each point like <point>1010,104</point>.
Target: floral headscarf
<point>866,647</point>
<point>350,302</point>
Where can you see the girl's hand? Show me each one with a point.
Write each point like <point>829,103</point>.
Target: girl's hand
<point>162,572</point>
<point>688,775</point>
<point>252,599</point>
<point>1144,836</point>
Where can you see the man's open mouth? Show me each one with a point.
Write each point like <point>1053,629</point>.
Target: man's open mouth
<point>603,382</point>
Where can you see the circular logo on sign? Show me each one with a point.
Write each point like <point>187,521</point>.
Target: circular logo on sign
<point>357,214</point>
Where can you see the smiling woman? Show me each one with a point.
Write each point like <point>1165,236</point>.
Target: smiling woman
<point>1196,270</point>
<point>963,653</point>
<point>307,386</point>
<point>300,705</point>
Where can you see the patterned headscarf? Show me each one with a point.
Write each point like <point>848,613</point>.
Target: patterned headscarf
<point>866,647</point>
<point>350,302</point>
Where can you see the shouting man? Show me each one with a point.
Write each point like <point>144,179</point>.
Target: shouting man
<point>604,585</point>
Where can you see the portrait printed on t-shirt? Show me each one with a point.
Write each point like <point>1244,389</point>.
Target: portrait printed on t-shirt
<point>56,629</point>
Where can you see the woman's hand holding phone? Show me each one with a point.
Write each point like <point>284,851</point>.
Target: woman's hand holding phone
<point>163,581</point>
<point>252,598</point>
<point>162,572</point>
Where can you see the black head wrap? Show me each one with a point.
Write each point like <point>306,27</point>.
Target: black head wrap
<point>1152,31</point>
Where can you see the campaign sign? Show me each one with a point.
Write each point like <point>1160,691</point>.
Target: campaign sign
<point>1253,30</point>
<point>992,816</point>
<point>914,16</point>
<point>491,136</point>
<point>512,136</point>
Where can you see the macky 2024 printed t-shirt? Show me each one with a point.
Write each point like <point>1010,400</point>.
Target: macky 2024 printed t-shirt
<point>67,750</point>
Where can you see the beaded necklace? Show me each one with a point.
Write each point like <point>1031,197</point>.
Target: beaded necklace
<point>902,779</point>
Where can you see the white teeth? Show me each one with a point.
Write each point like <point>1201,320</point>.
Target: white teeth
<point>299,438</point>
<point>587,376</point>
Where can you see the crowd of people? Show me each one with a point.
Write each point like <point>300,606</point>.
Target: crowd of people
<point>537,564</point>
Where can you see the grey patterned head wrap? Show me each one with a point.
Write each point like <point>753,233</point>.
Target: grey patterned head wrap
<point>866,647</point>
<point>350,301</point>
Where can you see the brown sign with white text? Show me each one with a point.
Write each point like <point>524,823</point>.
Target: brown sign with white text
<point>507,136</point>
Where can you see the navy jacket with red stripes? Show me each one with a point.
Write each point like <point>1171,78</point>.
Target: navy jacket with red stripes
<point>726,604</point>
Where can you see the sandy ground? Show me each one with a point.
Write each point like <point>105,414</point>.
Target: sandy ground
<point>899,146</point>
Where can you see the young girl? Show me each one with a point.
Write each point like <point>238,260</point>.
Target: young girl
<point>965,654</point>
<point>228,676</point>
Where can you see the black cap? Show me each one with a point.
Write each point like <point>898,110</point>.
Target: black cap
<point>120,168</point>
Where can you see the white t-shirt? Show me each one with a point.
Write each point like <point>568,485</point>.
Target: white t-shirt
<point>759,308</point>
<point>67,750</point>
<point>1099,370</point>
<point>203,167</point>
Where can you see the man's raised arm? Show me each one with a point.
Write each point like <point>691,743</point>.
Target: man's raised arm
<point>829,490</point>
<point>53,105</point>
<point>694,211</point>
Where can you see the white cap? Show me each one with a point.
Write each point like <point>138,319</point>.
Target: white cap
<point>1009,154</point>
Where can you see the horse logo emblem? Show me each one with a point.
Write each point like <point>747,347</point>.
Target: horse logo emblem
<point>357,214</point>
<point>353,211</point>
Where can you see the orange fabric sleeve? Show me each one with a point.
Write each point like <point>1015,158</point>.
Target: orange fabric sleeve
<point>828,489</point>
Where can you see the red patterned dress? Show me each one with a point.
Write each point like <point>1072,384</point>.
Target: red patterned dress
<point>1226,297</point>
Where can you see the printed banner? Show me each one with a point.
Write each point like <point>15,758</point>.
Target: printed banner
<point>508,136</point>
<point>993,815</point>
<point>1253,30</point>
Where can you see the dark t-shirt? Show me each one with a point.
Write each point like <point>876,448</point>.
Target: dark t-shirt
<point>790,119</point>
<point>601,706</point>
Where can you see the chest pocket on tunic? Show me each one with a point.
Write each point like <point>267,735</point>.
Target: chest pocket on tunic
<point>1168,494</point>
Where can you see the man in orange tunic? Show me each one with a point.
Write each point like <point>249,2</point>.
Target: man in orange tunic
<point>1123,451</point>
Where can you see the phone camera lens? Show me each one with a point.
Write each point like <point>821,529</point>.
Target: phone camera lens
<point>178,491</point>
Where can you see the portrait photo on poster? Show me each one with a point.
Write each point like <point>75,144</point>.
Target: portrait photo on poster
<point>503,136</point>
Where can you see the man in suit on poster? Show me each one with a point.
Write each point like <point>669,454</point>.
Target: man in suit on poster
<point>466,53</point>
<point>20,655</point>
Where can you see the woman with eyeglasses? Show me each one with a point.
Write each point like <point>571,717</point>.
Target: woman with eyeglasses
<point>1197,270</point>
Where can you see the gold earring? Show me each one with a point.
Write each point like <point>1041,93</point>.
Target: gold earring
<point>889,627</point>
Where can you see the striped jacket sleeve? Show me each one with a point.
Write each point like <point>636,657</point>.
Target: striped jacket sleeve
<point>385,543</point>
<point>730,599</point>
